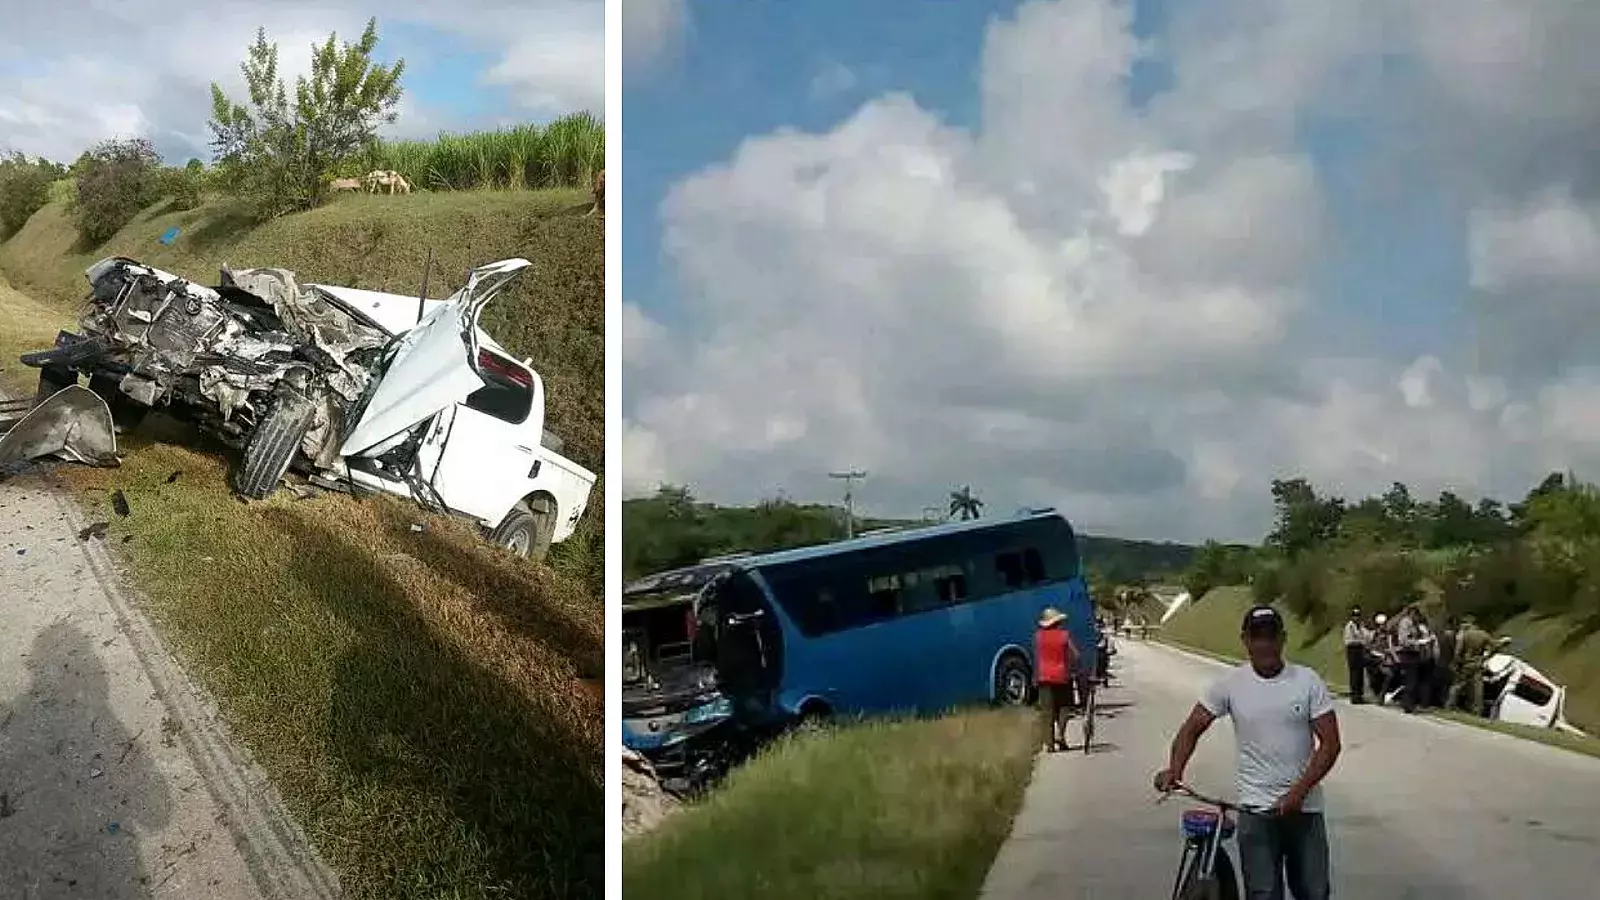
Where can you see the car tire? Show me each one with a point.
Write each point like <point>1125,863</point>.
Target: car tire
<point>525,532</point>
<point>273,444</point>
<point>1013,681</point>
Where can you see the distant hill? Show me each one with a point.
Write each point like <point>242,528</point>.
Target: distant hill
<point>672,529</point>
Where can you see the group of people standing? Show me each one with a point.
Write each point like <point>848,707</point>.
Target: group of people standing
<point>1442,669</point>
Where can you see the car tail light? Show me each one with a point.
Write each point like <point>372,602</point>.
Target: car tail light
<point>492,364</point>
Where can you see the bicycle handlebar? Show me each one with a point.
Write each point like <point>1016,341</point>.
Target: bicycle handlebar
<point>1184,789</point>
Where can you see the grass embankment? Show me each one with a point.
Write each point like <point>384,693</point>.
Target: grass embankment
<point>1211,627</point>
<point>431,709</point>
<point>884,809</point>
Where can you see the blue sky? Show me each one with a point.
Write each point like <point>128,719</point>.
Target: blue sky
<point>1350,239</point>
<point>751,68</point>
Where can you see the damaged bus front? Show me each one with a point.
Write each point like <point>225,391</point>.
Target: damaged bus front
<point>672,705</point>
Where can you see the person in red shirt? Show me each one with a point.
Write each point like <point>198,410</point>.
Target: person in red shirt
<point>1055,660</point>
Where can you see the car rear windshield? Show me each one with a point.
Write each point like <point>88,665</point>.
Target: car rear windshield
<point>508,396</point>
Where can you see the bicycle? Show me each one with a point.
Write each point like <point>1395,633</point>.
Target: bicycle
<point>1090,692</point>
<point>1205,872</point>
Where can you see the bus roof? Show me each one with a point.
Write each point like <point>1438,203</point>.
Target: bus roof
<point>889,539</point>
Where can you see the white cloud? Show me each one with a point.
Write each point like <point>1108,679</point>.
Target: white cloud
<point>1103,306</point>
<point>61,92</point>
<point>832,79</point>
<point>653,32</point>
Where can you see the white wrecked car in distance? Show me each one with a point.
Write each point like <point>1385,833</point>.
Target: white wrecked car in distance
<point>362,390</point>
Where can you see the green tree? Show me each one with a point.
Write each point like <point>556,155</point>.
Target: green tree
<point>114,180</point>
<point>1401,513</point>
<point>964,504</point>
<point>1303,521</point>
<point>24,190</point>
<point>279,152</point>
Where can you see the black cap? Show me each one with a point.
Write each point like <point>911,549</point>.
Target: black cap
<point>1262,619</point>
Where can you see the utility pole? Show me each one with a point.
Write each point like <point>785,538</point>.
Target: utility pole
<point>849,478</point>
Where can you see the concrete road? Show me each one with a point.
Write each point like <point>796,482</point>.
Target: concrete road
<point>116,780</point>
<point>1417,808</point>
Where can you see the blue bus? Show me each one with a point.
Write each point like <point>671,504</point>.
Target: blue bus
<point>920,620</point>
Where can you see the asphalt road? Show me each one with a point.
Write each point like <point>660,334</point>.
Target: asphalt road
<point>117,781</point>
<point>1417,807</point>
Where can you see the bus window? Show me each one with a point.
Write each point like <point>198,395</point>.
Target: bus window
<point>883,593</point>
<point>1020,568</point>
<point>944,585</point>
<point>1033,565</point>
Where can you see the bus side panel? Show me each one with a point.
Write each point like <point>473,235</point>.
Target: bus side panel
<point>1013,619</point>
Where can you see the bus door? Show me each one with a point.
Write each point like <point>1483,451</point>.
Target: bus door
<point>749,642</point>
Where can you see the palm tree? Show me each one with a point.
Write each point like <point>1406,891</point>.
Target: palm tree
<point>964,504</point>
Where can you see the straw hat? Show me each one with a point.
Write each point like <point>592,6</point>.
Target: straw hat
<point>1051,616</point>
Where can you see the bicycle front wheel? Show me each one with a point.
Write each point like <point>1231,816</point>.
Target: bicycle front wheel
<point>1194,885</point>
<point>1088,721</point>
<point>1220,884</point>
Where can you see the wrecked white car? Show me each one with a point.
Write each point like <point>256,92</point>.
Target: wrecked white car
<point>361,390</point>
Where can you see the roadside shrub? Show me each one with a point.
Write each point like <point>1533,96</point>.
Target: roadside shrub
<point>24,190</point>
<point>180,186</point>
<point>1385,581</point>
<point>115,180</point>
<point>1266,585</point>
<point>279,152</point>
<point>1305,588</point>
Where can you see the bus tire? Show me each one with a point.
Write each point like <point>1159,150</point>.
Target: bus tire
<point>1013,681</point>
<point>814,717</point>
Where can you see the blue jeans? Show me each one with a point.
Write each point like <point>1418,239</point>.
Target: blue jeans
<point>1274,847</point>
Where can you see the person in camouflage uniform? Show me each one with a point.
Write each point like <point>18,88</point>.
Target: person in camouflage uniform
<point>1473,647</point>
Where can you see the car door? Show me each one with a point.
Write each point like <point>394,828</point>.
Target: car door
<point>491,457</point>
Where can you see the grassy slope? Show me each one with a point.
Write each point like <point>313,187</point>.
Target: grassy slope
<point>1212,626</point>
<point>887,809</point>
<point>430,708</point>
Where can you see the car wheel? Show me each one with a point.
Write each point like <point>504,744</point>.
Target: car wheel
<point>273,444</point>
<point>525,533</point>
<point>1013,681</point>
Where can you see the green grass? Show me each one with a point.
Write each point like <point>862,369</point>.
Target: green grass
<point>25,324</point>
<point>1211,627</point>
<point>885,809</point>
<point>430,708</point>
<point>566,153</point>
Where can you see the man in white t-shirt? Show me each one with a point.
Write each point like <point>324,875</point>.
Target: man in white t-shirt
<point>1288,737</point>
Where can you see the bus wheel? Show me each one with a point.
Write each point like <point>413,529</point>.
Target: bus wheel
<point>1013,681</point>
<point>813,718</point>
